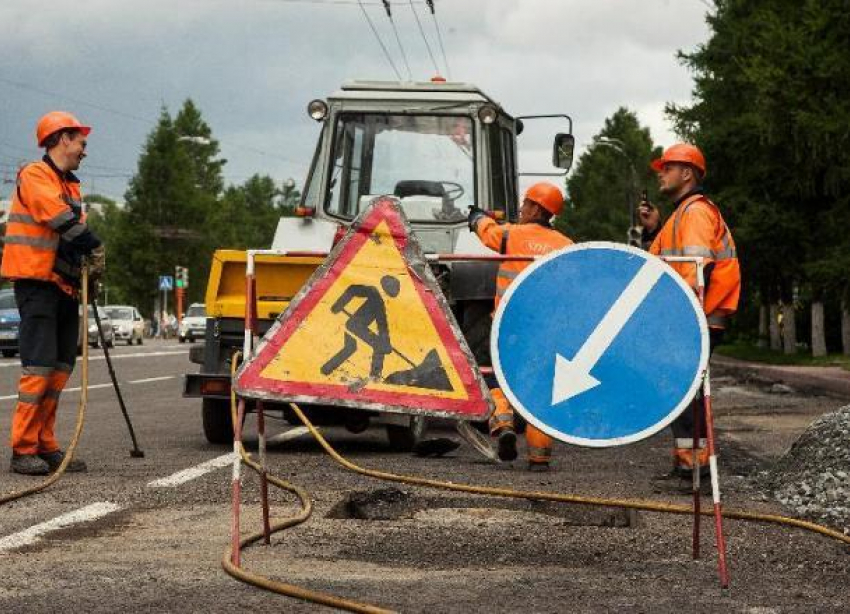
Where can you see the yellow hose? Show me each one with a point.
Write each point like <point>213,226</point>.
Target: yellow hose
<point>289,590</point>
<point>322,598</point>
<point>81,408</point>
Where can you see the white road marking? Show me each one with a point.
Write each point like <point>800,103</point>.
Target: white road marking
<point>34,533</point>
<point>112,356</point>
<point>572,377</point>
<point>97,386</point>
<point>187,475</point>
<point>151,379</point>
<point>91,387</point>
<point>292,433</point>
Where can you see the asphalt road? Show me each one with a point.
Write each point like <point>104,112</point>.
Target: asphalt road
<point>135,538</point>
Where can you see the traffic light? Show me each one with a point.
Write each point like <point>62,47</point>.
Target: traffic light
<point>181,277</point>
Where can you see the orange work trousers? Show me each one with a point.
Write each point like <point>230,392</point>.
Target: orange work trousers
<point>48,346</point>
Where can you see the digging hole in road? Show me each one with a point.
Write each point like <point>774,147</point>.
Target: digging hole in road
<point>386,504</point>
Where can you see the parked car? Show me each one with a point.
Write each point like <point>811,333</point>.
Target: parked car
<point>127,323</point>
<point>91,335</point>
<point>194,323</point>
<point>10,321</point>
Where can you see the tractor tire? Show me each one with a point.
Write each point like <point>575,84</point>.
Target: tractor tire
<point>218,425</point>
<point>404,438</point>
<point>476,325</point>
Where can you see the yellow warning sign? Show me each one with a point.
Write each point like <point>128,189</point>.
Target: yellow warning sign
<point>370,330</point>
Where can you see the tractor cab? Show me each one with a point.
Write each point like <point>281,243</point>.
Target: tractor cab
<point>439,147</point>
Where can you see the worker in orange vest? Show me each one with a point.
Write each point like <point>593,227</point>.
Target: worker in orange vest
<point>45,241</point>
<point>696,228</point>
<point>532,236</point>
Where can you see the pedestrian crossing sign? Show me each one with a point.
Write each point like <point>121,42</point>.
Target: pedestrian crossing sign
<point>371,329</point>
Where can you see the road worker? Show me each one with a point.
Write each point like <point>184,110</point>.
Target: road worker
<point>696,228</point>
<point>46,238</point>
<point>532,236</point>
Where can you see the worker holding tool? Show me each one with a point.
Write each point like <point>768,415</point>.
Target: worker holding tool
<point>46,239</point>
<point>532,236</point>
<point>696,228</point>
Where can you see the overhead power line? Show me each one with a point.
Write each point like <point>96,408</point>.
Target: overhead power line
<point>378,38</point>
<point>424,38</point>
<point>430,4</point>
<point>398,40</point>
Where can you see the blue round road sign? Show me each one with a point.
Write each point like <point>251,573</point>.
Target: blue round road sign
<point>599,344</point>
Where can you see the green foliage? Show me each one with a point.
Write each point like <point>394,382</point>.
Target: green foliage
<point>608,181</point>
<point>771,114</point>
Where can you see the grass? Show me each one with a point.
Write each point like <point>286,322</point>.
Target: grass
<point>746,351</point>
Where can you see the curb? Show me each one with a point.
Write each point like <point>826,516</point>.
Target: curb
<point>829,381</point>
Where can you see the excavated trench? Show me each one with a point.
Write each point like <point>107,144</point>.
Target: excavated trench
<point>394,504</point>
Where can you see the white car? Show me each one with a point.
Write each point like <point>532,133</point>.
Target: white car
<point>127,323</point>
<point>194,323</point>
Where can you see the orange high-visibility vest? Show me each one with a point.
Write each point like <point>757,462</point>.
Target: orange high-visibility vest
<point>517,240</point>
<point>696,228</point>
<point>46,207</point>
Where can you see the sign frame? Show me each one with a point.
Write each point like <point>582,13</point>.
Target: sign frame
<point>683,404</point>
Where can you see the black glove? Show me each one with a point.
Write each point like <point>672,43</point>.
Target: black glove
<point>475,215</point>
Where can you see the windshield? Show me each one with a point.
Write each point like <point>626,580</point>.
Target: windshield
<point>196,311</point>
<point>426,161</point>
<point>7,301</point>
<point>119,314</point>
<point>100,313</point>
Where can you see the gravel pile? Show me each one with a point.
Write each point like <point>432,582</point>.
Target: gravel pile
<point>813,477</point>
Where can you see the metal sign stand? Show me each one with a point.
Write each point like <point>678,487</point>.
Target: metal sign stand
<point>247,353</point>
<point>712,446</point>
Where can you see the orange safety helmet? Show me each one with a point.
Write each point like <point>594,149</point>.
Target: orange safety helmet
<point>57,120</point>
<point>547,196</point>
<point>683,153</point>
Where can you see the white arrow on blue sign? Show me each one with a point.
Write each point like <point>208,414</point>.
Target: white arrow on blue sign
<point>599,344</point>
<point>166,282</point>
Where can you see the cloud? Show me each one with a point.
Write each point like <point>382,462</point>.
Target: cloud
<point>252,65</point>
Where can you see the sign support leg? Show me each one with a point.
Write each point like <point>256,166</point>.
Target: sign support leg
<point>264,475</point>
<point>715,486</point>
<point>237,484</point>
<point>696,470</point>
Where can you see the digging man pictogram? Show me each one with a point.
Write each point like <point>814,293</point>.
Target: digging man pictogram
<point>368,323</point>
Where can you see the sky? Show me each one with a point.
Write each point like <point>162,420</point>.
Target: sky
<point>252,66</point>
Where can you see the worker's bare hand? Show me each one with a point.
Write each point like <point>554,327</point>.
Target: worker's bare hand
<point>649,216</point>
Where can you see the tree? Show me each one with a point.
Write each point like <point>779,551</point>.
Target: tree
<point>248,214</point>
<point>168,203</point>
<point>608,181</point>
<point>771,114</point>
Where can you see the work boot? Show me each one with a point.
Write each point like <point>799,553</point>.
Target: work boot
<point>538,466</point>
<point>28,464</point>
<point>54,459</point>
<point>507,445</point>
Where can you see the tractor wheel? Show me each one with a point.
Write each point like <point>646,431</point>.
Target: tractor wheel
<point>218,425</point>
<point>403,438</point>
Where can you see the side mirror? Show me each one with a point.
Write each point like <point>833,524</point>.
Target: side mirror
<point>562,151</point>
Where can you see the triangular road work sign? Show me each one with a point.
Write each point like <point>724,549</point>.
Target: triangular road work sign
<point>371,329</point>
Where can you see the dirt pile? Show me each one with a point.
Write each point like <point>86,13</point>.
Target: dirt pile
<point>813,477</point>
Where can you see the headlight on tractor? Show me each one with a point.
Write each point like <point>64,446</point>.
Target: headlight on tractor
<point>317,109</point>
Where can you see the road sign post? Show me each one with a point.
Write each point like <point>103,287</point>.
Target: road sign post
<point>602,344</point>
